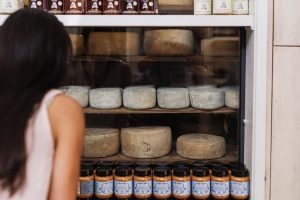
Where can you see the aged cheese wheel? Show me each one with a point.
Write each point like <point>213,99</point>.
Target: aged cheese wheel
<point>114,43</point>
<point>77,44</point>
<point>168,42</point>
<point>200,146</point>
<point>220,46</point>
<point>195,87</point>
<point>208,98</point>
<point>139,97</point>
<point>173,98</point>
<point>146,142</point>
<point>175,2</point>
<point>99,142</point>
<point>106,98</point>
<point>232,98</point>
<point>79,93</point>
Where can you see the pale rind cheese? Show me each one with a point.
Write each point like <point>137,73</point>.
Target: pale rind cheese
<point>200,146</point>
<point>79,93</point>
<point>220,46</point>
<point>201,87</point>
<point>209,98</point>
<point>175,2</point>
<point>106,98</point>
<point>168,42</point>
<point>77,44</point>
<point>100,142</point>
<point>232,98</point>
<point>139,97</point>
<point>173,98</point>
<point>146,142</point>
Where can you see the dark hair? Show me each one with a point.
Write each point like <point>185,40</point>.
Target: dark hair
<point>34,48</point>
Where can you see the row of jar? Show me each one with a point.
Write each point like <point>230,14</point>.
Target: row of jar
<point>145,97</point>
<point>221,7</point>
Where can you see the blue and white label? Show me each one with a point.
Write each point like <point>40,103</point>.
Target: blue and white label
<point>181,188</point>
<point>85,187</point>
<point>123,187</point>
<point>201,188</point>
<point>162,188</point>
<point>142,188</point>
<point>220,188</point>
<point>241,189</point>
<point>104,188</point>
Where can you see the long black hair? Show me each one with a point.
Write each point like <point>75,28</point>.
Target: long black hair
<point>34,50</point>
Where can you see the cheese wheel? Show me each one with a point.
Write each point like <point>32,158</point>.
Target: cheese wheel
<point>146,142</point>
<point>99,142</point>
<point>79,93</point>
<point>232,98</point>
<point>175,2</point>
<point>139,97</point>
<point>114,43</point>
<point>77,44</point>
<point>220,46</point>
<point>173,98</point>
<point>106,98</point>
<point>209,98</point>
<point>168,42</point>
<point>195,87</point>
<point>200,146</point>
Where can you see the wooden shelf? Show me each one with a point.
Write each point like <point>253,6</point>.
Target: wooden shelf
<point>223,110</point>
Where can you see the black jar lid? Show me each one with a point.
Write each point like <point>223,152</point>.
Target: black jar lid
<point>181,164</point>
<point>86,172</point>
<point>161,164</point>
<point>220,171</point>
<point>200,171</point>
<point>142,171</point>
<point>198,163</point>
<point>181,171</point>
<point>106,163</point>
<point>124,164</point>
<point>87,164</point>
<point>232,165</point>
<point>214,164</point>
<point>104,171</point>
<point>123,171</point>
<point>239,172</point>
<point>162,171</point>
<point>143,164</point>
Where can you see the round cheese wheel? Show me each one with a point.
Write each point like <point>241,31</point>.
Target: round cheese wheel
<point>79,93</point>
<point>201,87</point>
<point>99,142</point>
<point>77,44</point>
<point>106,98</point>
<point>220,46</point>
<point>168,42</point>
<point>232,98</point>
<point>173,98</point>
<point>146,142</point>
<point>139,97</point>
<point>209,98</point>
<point>200,146</point>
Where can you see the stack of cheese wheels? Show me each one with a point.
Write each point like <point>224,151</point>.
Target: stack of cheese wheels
<point>175,2</point>
<point>106,98</point>
<point>79,93</point>
<point>207,98</point>
<point>146,142</point>
<point>173,98</point>
<point>200,146</point>
<point>168,42</point>
<point>114,43</point>
<point>139,97</point>
<point>101,142</point>
<point>77,44</point>
<point>220,46</point>
<point>232,96</point>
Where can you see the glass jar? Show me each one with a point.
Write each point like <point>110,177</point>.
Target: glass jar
<point>240,183</point>
<point>74,6</point>
<point>104,182</point>
<point>94,6</point>
<point>55,6</point>
<point>198,163</point>
<point>161,164</point>
<point>142,182</point>
<point>37,4</point>
<point>85,187</point>
<point>215,164</point>
<point>240,7</point>
<point>220,183</point>
<point>222,7</point>
<point>111,6</point>
<point>202,7</point>
<point>10,6</point>
<point>148,6</point>
<point>181,164</point>
<point>200,183</point>
<point>130,6</point>
<point>181,183</point>
<point>143,164</point>
<point>232,165</point>
<point>123,182</point>
<point>162,183</point>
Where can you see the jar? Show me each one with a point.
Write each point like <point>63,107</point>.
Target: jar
<point>111,6</point>
<point>162,183</point>
<point>181,183</point>
<point>123,182</point>
<point>37,4</point>
<point>125,164</point>
<point>200,183</point>
<point>143,164</point>
<point>148,6</point>
<point>55,6</point>
<point>215,164</point>
<point>74,6</point>
<point>130,6</point>
<point>87,164</point>
<point>198,164</point>
<point>94,6</point>
<point>104,188</point>
<point>240,183</point>
<point>106,164</point>
<point>142,182</point>
<point>10,6</point>
<point>220,183</point>
<point>85,187</point>
<point>161,164</point>
<point>202,7</point>
<point>181,164</point>
<point>232,165</point>
<point>240,7</point>
<point>222,7</point>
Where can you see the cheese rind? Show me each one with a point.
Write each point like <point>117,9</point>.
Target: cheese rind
<point>139,97</point>
<point>101,142</point>
<point>77,44</point>
<point>173,98</point>
<point>209,98</point>
<point>106,98</point>
<point>220,46</point>
<point>79,93</point>
<point>200,146</point>
<point>146,142</point>
<point>232,98</point>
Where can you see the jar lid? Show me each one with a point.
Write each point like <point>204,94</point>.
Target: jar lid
<point>86,172</point>
<point>162,164</point>
<point>220,171</point>
<point>162,171</point>
<point>201,171</point>
<point>181,171</point>
<point>142,171</point>
<point>104,171</point>
<point>231,165</point>
<point>123,171</point>
<point>87,164</point>
<point>143,164</point>
<point>239,172</point>
<point>215,164</point>
<point>106,163</point>
<point>198,163</point>
<point>125,164</point>
<point>181,164</point>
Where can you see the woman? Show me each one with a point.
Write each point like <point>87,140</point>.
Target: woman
<point>41,130</point>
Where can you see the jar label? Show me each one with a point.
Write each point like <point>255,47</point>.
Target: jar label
<point>104,188</point>
<point>123,187</point>
<point>240,6</point>
<point>240,188</point>
<point>202,7</point>
<point>201,188</point>
<point>220,188</point>
<point>142,188</point>
<point>10,5</point>
<point>85,187</point>
<point>162,188</point>
<point>181,188</point>
<point>222,6</point>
